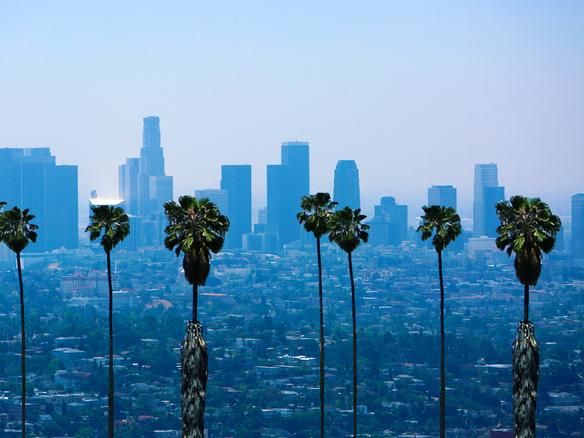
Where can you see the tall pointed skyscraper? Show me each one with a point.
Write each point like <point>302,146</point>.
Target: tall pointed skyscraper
<point>145,187</point>
<point>346,185</point>
<point>154,187</point>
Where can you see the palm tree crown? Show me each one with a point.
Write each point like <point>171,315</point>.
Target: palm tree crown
<point>16,229</point>
<point>346,229</point>
<point>111,223</point>
<point>529,229</point>
<point>196,228</point>
<point>443,223</point>
<point>316,213</point>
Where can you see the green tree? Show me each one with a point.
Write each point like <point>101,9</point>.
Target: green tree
<point>17,231</point>
<point>316,217</point>
<point>348,231</point>
<point>196,228</point>
<point>528,229</point>
<point>444,224</point>
<point>112,225</point>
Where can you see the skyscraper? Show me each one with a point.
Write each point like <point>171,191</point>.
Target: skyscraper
<point>287,184</point>
<point>346,185</point>
<point>154,187</point>
<point>30,178</point>
<point>236,180</point>
<point>144,186</point>
<point>578,226</point>
<point>444,196</point>
<point>128,184</point>
<point>389,226</point>
<point>492,195</point>
<point>485,175</point>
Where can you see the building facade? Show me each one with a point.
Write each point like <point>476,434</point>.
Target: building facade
<point>30,178</point>
<point>288,182</point>
<point>346,189</point>
<point>444,196</point>
<point>486,176</point>
<point>491,196</point>
<point>389,225</point>
<point>236,181</point>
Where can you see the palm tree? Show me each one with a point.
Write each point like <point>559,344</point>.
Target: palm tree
<point>112,225</point>
<point>315,216</point>
<point>528,228</point>
<point>17,231</point>
<point>196,228</point>
<point>348,231</point>
<point>444,224</point>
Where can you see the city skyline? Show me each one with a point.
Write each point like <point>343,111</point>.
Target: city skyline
<point>128,186</point>
<point>496,83</point>
<point>218,217</point>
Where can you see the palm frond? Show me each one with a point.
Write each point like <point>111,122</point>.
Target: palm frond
<point>441,222</point>
<point>16,228</point>
<point>347,229</point>
<point>197,229</point>
<point>110,223</point>
<point>316,212</point>
<point>528,228</point>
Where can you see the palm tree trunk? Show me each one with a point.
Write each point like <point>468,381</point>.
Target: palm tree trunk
<point>22,349</point>
<point>442,362</point>
<point>195,302</point>
<point>321,338</point>
<point>194,365</point>
<point>110,397</point>
<point>526,302</point>
<point>525,380</point>
<point>354,345</point>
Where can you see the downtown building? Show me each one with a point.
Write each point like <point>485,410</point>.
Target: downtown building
<point>444,196</point>
<point>236,181</point>
<point>346,185</point>
<point>288,182</point>
<point>389,225</point>
<point>30,178</point>
<point>487,193</point>
<point>233,200</point>
<point>144,187</point>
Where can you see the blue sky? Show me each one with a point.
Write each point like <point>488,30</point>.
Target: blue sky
<point>416,92</point>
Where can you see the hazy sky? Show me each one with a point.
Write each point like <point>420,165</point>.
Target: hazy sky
<point>416,92</point>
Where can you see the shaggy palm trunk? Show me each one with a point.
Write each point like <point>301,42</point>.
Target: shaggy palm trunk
<point>354,345</point>
<point>194,361</point>
<point>321,338</point>
<point>110,395</point>
<point>22,349</point>
<point>526,303</point>
<point>442,361</point>
<point>525,377</point>
<point>195,302</point>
